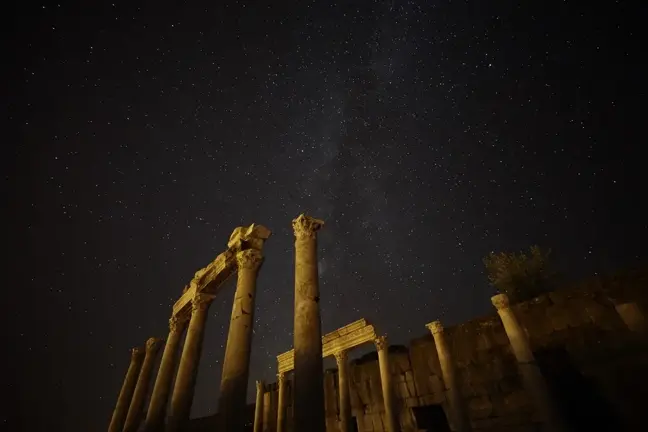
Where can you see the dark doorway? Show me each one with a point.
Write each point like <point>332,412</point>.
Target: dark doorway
<point>431,418</point>
<point>354,424</point>
<point>579,402</point>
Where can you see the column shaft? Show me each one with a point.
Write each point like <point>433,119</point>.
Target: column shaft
<point>460,418</point>
<point>343,388</point>
<point>160,396</point>
<point>236,365</point>
<point>281,403</point>
<point>134,417</point>
<point>309,375</point>
<point>126,392</point>
<point>183,390</point>
<point>267,412</point>
<point>530,373</point>
<point>386,383</point>
<point>258,408</point>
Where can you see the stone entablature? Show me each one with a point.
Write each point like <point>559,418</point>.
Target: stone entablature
<point>344,338</point>
<point>211,278</point>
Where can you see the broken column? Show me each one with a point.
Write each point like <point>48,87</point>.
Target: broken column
<point>281,402</point>
<point>126,392</point>
<point>134,417</point>
<point>236,366</point>
<point>532,378</point>
<point>258,408</point>
<point>309,376</point>
<point>460,419</point>
<point>386,382</point>
<point>343,388</point>
<point>160,396</point>
<point>186,379</point>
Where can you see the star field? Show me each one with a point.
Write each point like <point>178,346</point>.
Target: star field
<point>425,134</point>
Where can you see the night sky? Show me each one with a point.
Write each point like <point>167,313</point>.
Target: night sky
<point>425,134</point>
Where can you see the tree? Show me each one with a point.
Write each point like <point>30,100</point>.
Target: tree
<point>520,276</point>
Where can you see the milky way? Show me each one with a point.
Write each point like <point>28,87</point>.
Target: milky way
<point>425,134</point>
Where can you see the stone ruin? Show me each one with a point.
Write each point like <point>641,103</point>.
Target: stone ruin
<point>569,360</point>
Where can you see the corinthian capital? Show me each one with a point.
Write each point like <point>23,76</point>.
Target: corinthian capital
<point>281,377</point>
<point>435,327</point>
<point>249,259</point>
<point>260,386</point>
<point>153,344</point>
<point>340,357</point>
<point>136,352</point>
<point>176,323</point>
<point>500,301</point>
<point>306,226</point>
<point>201,302</point>
<point>381,343</point>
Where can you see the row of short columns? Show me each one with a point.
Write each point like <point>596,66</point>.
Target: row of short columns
<point>130,403</point>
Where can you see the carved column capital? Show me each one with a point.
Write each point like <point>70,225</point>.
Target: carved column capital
<point>176,323</point>
<point>153,345</point>
<point>260,385</point>
<point>435,327</point>
<point>249,259</point>
<point>306,226</point>
<point>500,301</point>
<point>341,357</point>
<point>201,302</point>
<point>136,352</point>
<point>381,343</point>
<point>281,378</point>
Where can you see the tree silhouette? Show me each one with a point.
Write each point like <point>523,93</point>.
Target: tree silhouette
<point>521,276</point>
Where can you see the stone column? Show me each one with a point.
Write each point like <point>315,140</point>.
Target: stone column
<point>386,382</point>
<point>236,365</point>
<point>258,408</point>
<point>134,417</point>
<point>281,402</point>
<point>309,375</point>
<point>267,411</point>
<point>186,379</point>
<point>126,392</point>
<point>632,316</point>
<point>530,373</point>
<point>343,388</point>
<point>460,418</point>
<point>160,396</point>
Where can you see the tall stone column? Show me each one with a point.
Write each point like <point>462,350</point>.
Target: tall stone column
<point>126,392</point>
<point>236,366</point>
<point>267,412</point>
<point>186,379</point>
<point>460,419</point>
<point>386,382</point>
<point>134,417</point>
<point>343,388</point>
<point>281,402</point>
<point>309,375</point>
<point>160,396</point>
<point>530,373</point>
<point>258,408</point>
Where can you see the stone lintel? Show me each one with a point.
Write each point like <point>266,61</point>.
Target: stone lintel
<point>207,280</point>
<point>344,338</point>
<point>211,278</point>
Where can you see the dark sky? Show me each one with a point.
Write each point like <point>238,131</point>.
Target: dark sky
<point>425,134</point>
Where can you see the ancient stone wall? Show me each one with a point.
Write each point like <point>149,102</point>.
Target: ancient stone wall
<point>594,365</point>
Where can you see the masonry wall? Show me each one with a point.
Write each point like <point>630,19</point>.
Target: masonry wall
<point>595,367</point>
<point>593,364</point>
